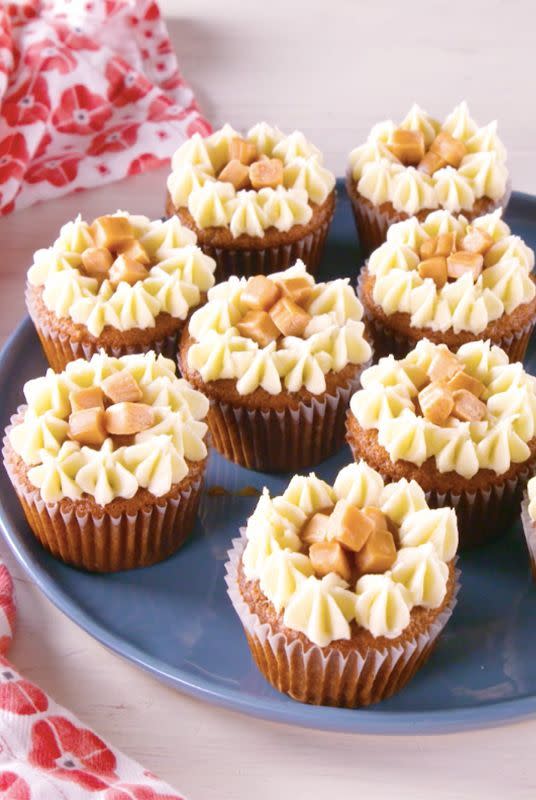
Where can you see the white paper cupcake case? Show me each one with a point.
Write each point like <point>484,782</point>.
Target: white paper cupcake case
<point>324,676</point>
<point>529,529</point>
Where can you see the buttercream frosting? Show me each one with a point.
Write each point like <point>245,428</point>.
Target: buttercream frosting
<point>531,488</point>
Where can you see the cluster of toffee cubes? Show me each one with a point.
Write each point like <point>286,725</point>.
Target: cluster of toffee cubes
<point>448,257</point>
<point>246,169</point>
<point>112,409</point>
<point>350,541</point>
<point>451,392</point>
<point>118,255</point>
<point>275,309</point>
<point>409,148</point>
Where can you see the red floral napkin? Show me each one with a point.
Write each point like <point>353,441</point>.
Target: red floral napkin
<point>45,752</point>
<point>89,92</point>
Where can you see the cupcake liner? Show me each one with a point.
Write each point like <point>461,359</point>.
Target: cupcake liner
<point>284,440</point>
<point>387,341</point>
<point>529,529</point>
<point>104,542</point>
<point>372,222</point>
<point>324,676</point>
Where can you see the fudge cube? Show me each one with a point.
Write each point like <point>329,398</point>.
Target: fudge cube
<point>461,380</point>
<point>476,240</point>
<point>350,526</point>
<point>260,293</point>
<point>315,529</point>
<point>88,427</point>
<point>111,232</point>
<point>443,366</point>
<point>243,151</point>
<point>235,172</point>
<point>298,289</point>
<point>463,261</point>
<point>128,270</point>
<point>451,150</point>
<point>96,262</point>
<point>378,554</point>
<point>407,146</point>
<point>92,397</point>
<point>266,174</point>
<point>467,407</point>
<point>436,402</point>
<point>329,557</point>
<point>134,249</point>
<point>442,245</point>
<point>289,317</point>
<point>259,326</point>
<point>121,387</point>
<point>430,163</point>
<point>125,419</point>
<point>434,268</point>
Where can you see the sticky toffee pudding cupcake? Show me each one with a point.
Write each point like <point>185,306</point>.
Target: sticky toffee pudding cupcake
<point>123,284</point>
<point>256,203</point>
<point>422,164</point>
<point>452,282</point>
<point>343,590</point>
<point>107,459</point>
<point>462,425</point>
<point>278,357</point>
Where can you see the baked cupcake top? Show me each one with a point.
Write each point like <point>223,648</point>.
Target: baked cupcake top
<point>469,411</point>
<point>452,275</point>
<point>108,427</point>
<point>423,163</point>
<point>281,332</point>
<point>358,551</point>
<point>265,180</point>
<point>531,488</point>
<point>122,270</point>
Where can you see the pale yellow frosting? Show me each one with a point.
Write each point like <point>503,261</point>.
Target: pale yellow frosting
<point>193,182</point>
<point>333,339</point>
<point>156,460</point>
<point>531,487</point>
<point>324,609</point>
<point>386,404</point>
<point>381,178</point>
<point>460,305</point>
<point>178,274</point>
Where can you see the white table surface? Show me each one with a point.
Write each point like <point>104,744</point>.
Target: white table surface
<point>331,72</point>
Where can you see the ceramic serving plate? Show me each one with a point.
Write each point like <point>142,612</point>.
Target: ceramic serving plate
<point>175,619</point>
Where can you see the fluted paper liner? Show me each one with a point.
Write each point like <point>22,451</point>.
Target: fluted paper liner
<point>104,542</point>
<point>324,676</point>
<point>387,341</point>
<point>529,529</point>
<point>372,222</point>
<point>286,440</point>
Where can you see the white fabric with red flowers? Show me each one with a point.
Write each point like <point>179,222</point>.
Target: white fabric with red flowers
<point>90,92</point>
<point>45,752</point>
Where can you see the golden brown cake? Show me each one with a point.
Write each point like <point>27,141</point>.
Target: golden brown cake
<point>256,203</point>
<point>343,590</point>
<point>107,459</point>
<point>422,164</point>
<point>122,284</point>
<point>278,357</point>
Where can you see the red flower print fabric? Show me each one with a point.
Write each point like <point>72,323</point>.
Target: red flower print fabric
<point>89,93</point>
<point>45,752</point>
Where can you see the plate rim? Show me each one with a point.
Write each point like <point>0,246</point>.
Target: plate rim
<point>356,721</point>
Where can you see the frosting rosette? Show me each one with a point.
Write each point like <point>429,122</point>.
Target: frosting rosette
<point>198,183</point>
<point>156,458</point>
<point>465,302</point>
<point>324,606</point>
<point>479,171</point>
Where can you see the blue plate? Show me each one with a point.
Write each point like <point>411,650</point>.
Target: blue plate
<point>175,619</point>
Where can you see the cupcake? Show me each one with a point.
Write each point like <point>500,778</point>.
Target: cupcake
<point>343,590</point>
<point>107,459</point>
<point>462,425</point>
<point>528,518</point>
<point>452,282</point>
<point>256,203</point>
<point>122,284</point>
<point>279,358</point>
<point>423,164</point>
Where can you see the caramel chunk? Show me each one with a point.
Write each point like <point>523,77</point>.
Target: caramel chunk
<point>436,402</point>
<point>329,557</point>
<point>242,151</point>
<point>451,150</point>
<point>289,317</point>
<point>121,387</point>
<point>461,380</point>
<point>430,163</point>
<point>462,261</point>
<point>236,173</point>
<point>378,554</point>
<point>128,270</point>
<point>92,397</point>
<point>88,427</point>
<point>476,240</point>
<point>134,249</point>
<point>96,262</point>
<point>298,289</point>
<point>259,326</point>
<point>467,407</point>
<point>350,526</point>
<point>315,529</point>
<point>443,366</point>
<point>266,174</point>
<point>377,517</point>
<point>111,232</point>
<point>407,146</point>
<point>124,419</point>
<point>260,293</point>
<point>441,245</point>
<point>435,268</point>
